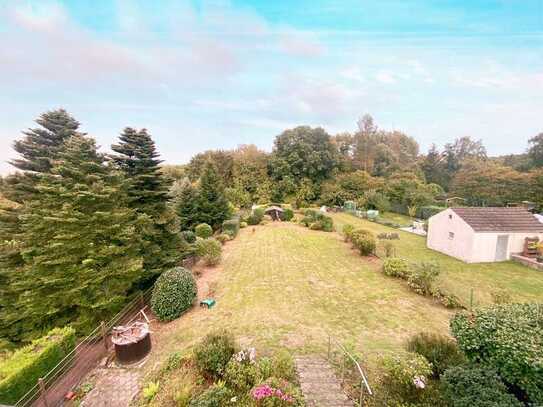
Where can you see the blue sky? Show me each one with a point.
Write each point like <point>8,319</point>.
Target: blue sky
<point>215,74</point>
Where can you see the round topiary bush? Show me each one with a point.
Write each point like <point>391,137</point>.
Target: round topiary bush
<point>223,238</point>
<point>242,225</point>
<point>173,293</point>
<point>203,230</point>
<point>189,236</point>
<point>209,250</point>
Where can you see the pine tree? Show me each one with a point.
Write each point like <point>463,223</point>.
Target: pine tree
<point>38,150</point>
<point>211,206</point>
<point>137,158</point>
<point>186,205</point>
<point>40,146</point>
<point>81,242</point>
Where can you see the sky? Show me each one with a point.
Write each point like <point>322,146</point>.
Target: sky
<point>215,74</point>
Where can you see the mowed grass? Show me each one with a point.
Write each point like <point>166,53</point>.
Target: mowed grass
<point>524,284</point>
<point>285,286</point>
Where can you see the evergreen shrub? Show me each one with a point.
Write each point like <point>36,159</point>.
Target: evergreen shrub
<point>173,293</point>
<point>203,230</point>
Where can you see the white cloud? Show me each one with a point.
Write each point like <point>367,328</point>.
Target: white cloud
<point>385,77</point>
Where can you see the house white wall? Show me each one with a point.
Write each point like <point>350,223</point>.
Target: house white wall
<point>468,245</point>
<point>460,245</point>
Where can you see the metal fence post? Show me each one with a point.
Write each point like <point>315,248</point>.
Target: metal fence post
<point>104,333</point>
<point>43,394</point>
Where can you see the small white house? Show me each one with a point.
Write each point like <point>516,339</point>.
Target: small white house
<point>482,234</point>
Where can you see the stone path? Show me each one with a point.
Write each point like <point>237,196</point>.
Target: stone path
<point>114,387</point>
<point>319,383</point>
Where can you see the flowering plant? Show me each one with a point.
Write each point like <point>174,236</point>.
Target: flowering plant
<point>266,391</point>
<point>246,356</point>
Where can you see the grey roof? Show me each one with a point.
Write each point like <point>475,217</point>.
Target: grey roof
<point>500,219</point>
<point>274,208</point>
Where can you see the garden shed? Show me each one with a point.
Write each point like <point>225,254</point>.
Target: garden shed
<point>482,234</point>
<point>275,212</point>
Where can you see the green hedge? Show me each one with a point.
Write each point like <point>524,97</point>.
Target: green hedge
<point>231,227</point>
<point>173,293</point>
<point>20,372</point>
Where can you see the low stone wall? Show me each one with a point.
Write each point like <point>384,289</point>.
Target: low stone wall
<point>527,261</point>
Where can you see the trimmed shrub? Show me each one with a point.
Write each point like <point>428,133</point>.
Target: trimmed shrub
<point>396,267</point>
<point>288,214</point>
<point>213,353</point>
<point>347,232</point>
<point>509,339</point>
<point>467,386</point>
<point>441,351</point>
<point>203,230</point>
<point>231,227</point>
<point>405,377</point>
<point>217,395</point>
<point>363,241</point>
<point>223,238</point>
<point>422,277</point>
<point>173,293</point>
<point>327,223</point>
<point>242,225</point>
<point>189,236</point>
<point>283,365</point>
<point>20,371</point>
<point>209,250</point>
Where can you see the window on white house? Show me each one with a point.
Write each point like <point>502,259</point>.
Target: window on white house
<point>451,235</point>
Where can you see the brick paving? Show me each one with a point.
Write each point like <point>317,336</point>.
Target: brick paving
<point>114,387</point>
<point>319,384</point>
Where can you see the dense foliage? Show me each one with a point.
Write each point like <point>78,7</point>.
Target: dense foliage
<point>509,339</point>
<point>20,372</point>
<point>214,352</point>
<point>79,240</point>
<point>441,351</point>
<point>467,386</point>
<point>396,267</point>
<point>137,158</point>
<point>173,293</point>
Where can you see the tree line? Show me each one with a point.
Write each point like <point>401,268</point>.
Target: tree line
<point>80,230</point>
<point>377,168</point>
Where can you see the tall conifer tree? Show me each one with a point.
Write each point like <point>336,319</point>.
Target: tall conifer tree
<point>137,158</point>
<point>38,150</point>
<point>212,206</point>
<point>81,242</point>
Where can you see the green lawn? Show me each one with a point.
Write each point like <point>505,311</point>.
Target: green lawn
<point>285,286</point>
<point>523,283</point>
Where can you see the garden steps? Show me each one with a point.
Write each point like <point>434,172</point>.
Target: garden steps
<point>320,386</point>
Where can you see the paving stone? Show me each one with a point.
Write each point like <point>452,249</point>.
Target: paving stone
<point>113,388</point>
<point>319,384</point>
